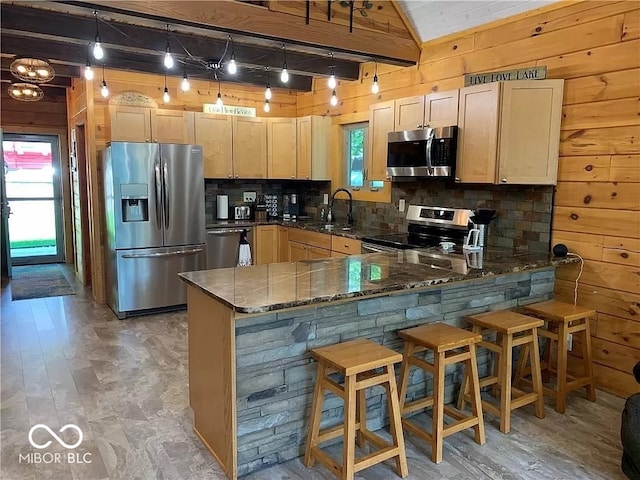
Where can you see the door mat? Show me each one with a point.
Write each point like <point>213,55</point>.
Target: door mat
<point>37,281</point>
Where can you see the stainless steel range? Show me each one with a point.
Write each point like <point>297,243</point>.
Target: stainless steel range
<point>427,227</point>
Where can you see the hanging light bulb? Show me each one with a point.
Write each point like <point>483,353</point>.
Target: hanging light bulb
<point>219,99</point>
<point>267,92</point>
<point>267,107</point>
<point>332,78</point>
<point>184,86</point>
<point>98,52</point>
<point>232,67</point>
<point>166,98</point>
<point>88,72</point>
<point>334,98</point>
<point>168,58</point>
<point>375,88</point>
<point>104,91</point>
<point>284,75</point>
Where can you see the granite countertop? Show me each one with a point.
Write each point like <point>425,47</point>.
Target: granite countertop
<point>263,288</point>
<point>357,233</point>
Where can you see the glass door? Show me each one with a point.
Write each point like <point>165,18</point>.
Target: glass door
<point>34,194</point>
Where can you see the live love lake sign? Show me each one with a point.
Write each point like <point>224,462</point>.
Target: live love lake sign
<point>531,73</point>
<point>229,110</point>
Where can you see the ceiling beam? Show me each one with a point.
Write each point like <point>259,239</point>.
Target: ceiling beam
<point>238,17</point>
<point>134,61</point>
<point>122,35</point>
<point>60,82</point>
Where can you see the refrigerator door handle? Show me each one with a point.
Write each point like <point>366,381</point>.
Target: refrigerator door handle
<point>164,254</point>
<point>158,192</point>
<point>165,184</point>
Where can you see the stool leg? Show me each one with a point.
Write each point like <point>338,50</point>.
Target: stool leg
<point>395,423</point>
<point>476,402</point>
<point>505,389</point>
<point>546,358</point>
<point>348,447</point>
<point>405,370</point>
<point>316,415</point>
<point>536,374</point>
<point>438,407</point>
<point>588,362</point>
<point>522,365</point>
<point>561,392</point>
<point>463,390</point>
<point>497,365</point>
<point>361,417</point>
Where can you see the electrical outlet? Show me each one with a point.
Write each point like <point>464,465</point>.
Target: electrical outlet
<point>325,199</point>
<point>570,342</point>
<point>401,205</point>
<point>249,197</point>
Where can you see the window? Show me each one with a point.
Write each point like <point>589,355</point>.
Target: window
<point>356,157</point>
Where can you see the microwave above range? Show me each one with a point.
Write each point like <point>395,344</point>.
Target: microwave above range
<point>428,152</point>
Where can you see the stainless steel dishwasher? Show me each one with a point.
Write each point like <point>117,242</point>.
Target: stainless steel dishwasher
<point>223,244</point>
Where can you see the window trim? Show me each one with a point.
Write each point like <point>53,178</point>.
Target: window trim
<point>339,168</point>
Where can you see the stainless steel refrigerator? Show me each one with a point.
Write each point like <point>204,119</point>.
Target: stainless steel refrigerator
<point>155,223</point>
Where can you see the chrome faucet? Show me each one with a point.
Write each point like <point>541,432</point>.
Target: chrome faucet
<point>330,218</point>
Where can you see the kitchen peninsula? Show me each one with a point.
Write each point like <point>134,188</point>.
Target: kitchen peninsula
<point>250,329</point>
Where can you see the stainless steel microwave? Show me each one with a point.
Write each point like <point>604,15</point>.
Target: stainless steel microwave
<point>429,152</point>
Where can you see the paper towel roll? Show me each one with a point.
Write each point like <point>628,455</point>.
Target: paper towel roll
<point>222,202</point>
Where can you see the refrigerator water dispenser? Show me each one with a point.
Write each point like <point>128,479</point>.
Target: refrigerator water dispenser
<point>135,202</point>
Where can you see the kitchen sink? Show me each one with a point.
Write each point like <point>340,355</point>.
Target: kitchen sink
<point>330,226</point>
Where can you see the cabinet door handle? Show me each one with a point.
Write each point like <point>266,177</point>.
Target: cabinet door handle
<point>458,179</point>
<point>293,176</point>
<point>237,176</point>
<point>146,139</point>
<point>504,180</point>
<point>307,177</point>
<point>230,176</point>
<point>418,126</point>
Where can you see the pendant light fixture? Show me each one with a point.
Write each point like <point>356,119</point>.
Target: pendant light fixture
<point>184,86</point>
<point>332,82</point>
<point>267,107</point>
<point>284,75</point>
<point>104,91</point>
<point>375,88</point>
<point>334,98</point>
<point>25,92</point>
<point>219,99</point>
<point>166,98</point>
<point>232,68</point>
<point>98,52</point>
<point>267,92</point>
<point>88,72</point>
<point>168,58</point>
<point>32,70</point>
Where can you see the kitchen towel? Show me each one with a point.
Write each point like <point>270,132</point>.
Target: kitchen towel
<point>244,252</point>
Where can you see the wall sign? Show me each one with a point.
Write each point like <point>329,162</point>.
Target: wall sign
<point>531,73</point>
<point>229,110</point>
<point>132,98</point>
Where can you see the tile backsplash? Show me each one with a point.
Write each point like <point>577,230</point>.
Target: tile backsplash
<point>523,211</point>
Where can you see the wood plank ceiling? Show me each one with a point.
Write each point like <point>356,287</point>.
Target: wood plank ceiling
<point>202,36</point>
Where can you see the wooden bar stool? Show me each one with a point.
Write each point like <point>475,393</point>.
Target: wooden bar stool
<point>357,360</point>
<point>449,345</point>
<point>564,319</point>
<point>512,329</point>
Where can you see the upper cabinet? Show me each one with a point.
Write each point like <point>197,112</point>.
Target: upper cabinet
<point>433,110</point>
<point>249,147</point>
<point>213,132</point>
<point>137,124</point>
<point>281,148</point>
<point>381,122</point>
<point>313,148</point>
<point>509,132</point>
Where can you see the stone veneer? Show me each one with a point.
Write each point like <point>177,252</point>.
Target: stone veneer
<point>275,373</point>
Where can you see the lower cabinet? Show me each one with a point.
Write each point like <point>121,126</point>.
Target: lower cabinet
<point>266,244</point>
<point>283,244</point>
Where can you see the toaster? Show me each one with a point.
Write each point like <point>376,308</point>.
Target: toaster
<point>242,213</point>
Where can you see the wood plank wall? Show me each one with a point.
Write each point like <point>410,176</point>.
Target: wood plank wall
<point>595,47</point>
<point>46,117</point>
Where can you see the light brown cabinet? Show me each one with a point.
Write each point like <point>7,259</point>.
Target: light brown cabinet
<point>381,122</point>
<point>438,109</point>
<point>313,134</point>
<point>307,245</point>
<point>213,132</point>
<point>139,124</point>
<point>281,148</point>
<point>266,244</point>
<point>283,244</point>
<point>347,246</point>
<point>249,147</point>
<point>509,132</point>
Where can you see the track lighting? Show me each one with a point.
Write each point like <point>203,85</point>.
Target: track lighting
<point>98,52</point>
<point>104,91</point>
<point>168,58</point>
<point>267,108</point>
<point>332,78</point>
<point>375,88</point>
<point>334,98</point>
<point>284,75</point>
<point>166,98</point>
<point>184,86</point>
<point>232,67</point>
<point>267,92</point>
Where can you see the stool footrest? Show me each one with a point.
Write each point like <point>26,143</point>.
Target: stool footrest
<point>375,457</point>
<point>459,425</point>
<point>333,432</point>
<point>417,405</point>
<point>322,457</point>
<point>524,400</point>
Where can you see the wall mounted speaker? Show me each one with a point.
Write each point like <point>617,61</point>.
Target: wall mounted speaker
<point>560,250</point>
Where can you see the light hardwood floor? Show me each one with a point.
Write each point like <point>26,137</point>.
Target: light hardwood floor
<point>124,383</point>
